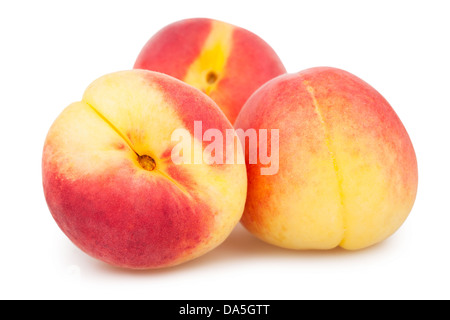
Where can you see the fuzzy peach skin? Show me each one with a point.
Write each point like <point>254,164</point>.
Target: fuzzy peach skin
<point>226,62</point>
<point>347,169</point>
<point>112,187</point>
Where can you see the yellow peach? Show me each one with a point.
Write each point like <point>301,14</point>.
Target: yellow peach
<point>347,169</point>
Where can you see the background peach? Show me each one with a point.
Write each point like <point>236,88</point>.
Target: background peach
<point>224,61</point>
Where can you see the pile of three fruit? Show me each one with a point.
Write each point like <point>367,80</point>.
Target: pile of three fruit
<point>347,171</point>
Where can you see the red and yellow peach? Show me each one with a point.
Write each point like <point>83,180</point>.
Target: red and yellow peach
<point>347,169</point>
<point>226,62</point>
<point>112,187</point>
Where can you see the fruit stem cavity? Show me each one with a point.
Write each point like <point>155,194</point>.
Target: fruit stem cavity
<point>147,162</point>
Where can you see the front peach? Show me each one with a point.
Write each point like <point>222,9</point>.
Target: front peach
<point>110,182</point>
<point>347,169</point>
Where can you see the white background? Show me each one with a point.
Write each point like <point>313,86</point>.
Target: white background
<point>51,50</point>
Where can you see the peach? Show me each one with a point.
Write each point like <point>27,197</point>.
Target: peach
<point>112,187</point>
<point>226,62</point>
<point>347,169</point>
